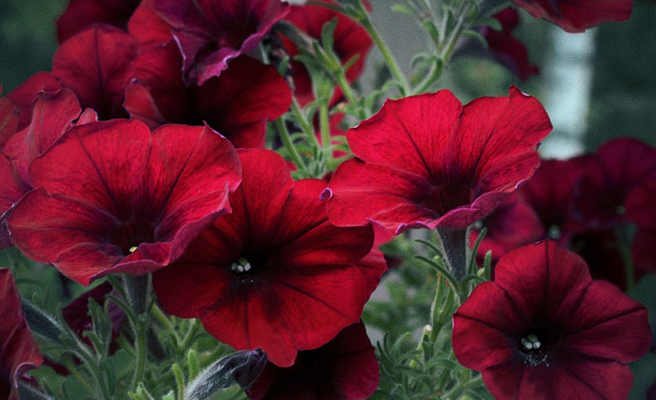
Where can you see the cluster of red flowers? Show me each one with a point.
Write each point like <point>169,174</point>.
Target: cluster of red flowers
<point>185,190</point>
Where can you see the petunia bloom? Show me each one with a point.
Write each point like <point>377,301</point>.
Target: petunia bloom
<point>578,15</point>
<point>123,199</point>
<point>19,352</point>
<point>545,330</point>
<point>236,104</point>
<point>428,161</point>
<point>505,48</point>
<point>350,40</point>
<point>211,33</point>
<point>274,274</point>
<point>345,368</point>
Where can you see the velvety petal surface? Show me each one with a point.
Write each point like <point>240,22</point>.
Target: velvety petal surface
<point>12,188</point>
<point>24,95</point>
<point>271,266</point>
<point>94,65</point>
<point>212,32</point>
<point>52,115</point>
<point>578,15</point>
<point>468,158</point>
<point>82,14</point>
<point>123,205</point>
<point>8,120</point>
<point>343,369</point>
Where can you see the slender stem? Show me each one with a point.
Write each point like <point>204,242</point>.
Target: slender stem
<point>191,333</point>
<point>450,44</point>
<point>140,348</point>
<point>456,249</point>
<point>159,315</point>
<point>434,76</point>
<point>324,124</point>
<point>287,141</point>
<point>305,125</point>
<point>392,64</point>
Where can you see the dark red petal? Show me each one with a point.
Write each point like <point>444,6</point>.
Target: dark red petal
<point>410,134</point>
<point>158,94</point>
<point>8,121</point>
<point>393,197</point>
<point>94,65</point>
<point>543,279</point>
<point>53,114</point>
<point>578,15</point>
<point>640,207</point>
<point>644,252</point>
<point>343,369</point>
<point>148,27</point>
<point>509,51</point>
<point>607,324</point>
<point>622,165</point>
<point>212,32</point>
<point>82,14</point>
<point>19,351</point>
<point>238,102</point>
<point>486,328</point>
<point>12,188</point>
<point>511,225</point>
<point>552,190</point>
<point>373,266</point>
<point>44,227</point>
<point>24,95</point>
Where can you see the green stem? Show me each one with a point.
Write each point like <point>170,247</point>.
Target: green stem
<point>432,78</point>
<point>287,141</point>
<point>392,64</point>
<point>449,46</point>
<point>159,315</point>
<point>140,349</point>
<point>191,333</point>
<point>324,124</point>
<point>305,125</point>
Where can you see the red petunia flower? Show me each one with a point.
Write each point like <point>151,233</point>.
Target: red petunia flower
<point>505,48</point>
<point>274,274</point>
<point>211,33</point>
<point>427,161</point>
<point>545,330</point>
<point>83,14</point>
<point>552,192</point>
<point>578,15</point>
<point>350,40</point>
<point>622,165</point>
<point>94,65</point>
<point>19,352</point>
<point>237,104</point>
<point>24,95</point>
<point>9,116</point>
<point>345,368</point>
<point>122,199</point>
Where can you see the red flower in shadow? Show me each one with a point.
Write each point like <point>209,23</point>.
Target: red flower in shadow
<point>19,352</point>
<point>274,274</point>
<point>427,161</point>
<point>545,330</point>
<point>122,199</point>
<point>578,15</point>
<point>345,368</point>
<point>83,14</point>
<point>236,104</point>
<point>211,33</point>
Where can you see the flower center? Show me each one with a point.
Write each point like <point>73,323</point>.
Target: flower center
<point>241,266</point>
<point>532,349</point>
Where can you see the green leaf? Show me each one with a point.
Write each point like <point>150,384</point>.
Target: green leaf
<point>242,367</point>
<point>492,23</point>
<point>42,323</point>
<point>403,9</point>
<point>28,392</point>
<point>476,35</point>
